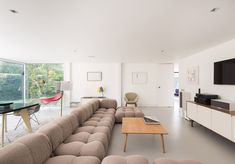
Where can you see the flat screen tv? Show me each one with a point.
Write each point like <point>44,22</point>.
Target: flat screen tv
<point>224,72</point>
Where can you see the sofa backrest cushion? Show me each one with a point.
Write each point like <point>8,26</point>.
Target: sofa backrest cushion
<point>73,121</point>
<point>54,133</point>
<point>108,103</point>
<point>95,104</point>
<point>80,113</point>
<point>83,113</point>
<point>39,146</point>
<point>65,124</point>
<point>16,153</point>
<point>89,110</point>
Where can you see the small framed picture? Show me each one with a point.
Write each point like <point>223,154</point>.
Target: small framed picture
<point>139,77</point>
<point>94,76</point>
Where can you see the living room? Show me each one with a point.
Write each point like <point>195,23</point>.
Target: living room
<point>106,49</point>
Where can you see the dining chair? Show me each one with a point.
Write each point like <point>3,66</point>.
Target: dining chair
<point>57,97</point>
<point>31,111</point>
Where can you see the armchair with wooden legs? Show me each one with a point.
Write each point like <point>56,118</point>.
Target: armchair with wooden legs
<point>131,98</point>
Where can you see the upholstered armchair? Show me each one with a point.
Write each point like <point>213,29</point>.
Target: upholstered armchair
<point>131,98</point>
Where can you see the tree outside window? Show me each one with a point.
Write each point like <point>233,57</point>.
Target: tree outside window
<point>42,79</point>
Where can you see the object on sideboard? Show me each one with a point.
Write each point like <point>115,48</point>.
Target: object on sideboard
<point>205,98</point>
<point>225,104</point>
<point>199,90</point>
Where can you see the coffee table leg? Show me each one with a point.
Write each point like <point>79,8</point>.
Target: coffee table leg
<point>163,146</point>
<point>126,136</point>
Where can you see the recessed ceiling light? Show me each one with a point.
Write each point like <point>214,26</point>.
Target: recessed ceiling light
<point>214,10</point>
<point>13,11</point>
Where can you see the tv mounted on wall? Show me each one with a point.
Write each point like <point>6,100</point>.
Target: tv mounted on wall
<point>224,72</point>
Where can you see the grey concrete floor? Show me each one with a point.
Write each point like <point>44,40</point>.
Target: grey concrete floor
<point>182,142</point>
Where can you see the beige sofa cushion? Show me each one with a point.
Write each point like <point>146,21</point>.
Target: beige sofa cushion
<point>86,137</point>
<point>54,133</point>
<point>65,125</point>
<point>80,114</point>
<point>132,159</point>
<point>106,123</point>
<point>73,120</point>
<point>77,148</point>
<point>106,110</point>
<point>83,113</point>
<point>70,159</point>
<point>95,104</point>
<point>93,129</point>
<point>127,112</point>
<point>16,153</point>
<point>170,161</point>
<point>108,103</point>
<point>38,145</point>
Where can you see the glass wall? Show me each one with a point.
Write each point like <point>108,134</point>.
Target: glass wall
<point>11,81</point>
<point>38,80</point>
<point>42,79</point>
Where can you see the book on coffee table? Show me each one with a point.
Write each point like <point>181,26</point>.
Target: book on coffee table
<point>151,120</point>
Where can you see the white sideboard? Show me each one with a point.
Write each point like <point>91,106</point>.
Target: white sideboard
<point>220,121</point>
<point>233,128</point>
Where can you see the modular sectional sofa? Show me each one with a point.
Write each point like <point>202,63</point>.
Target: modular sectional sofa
<point>82,137</point>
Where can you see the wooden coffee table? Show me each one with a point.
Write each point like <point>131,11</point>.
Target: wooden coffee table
<point>131,125</point>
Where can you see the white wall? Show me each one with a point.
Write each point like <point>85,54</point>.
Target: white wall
<point>205,60</point>
<point>116,80</point>
<point>148,92</point>
<point>111,80</point>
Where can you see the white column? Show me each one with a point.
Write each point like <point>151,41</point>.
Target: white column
<point>67,77</point>
<point>119,84</point>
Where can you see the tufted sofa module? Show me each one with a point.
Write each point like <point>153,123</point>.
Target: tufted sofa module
<point>127,112</point>
<point>81,137</point>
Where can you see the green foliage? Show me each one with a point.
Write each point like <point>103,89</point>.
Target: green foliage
<point>10,87</point>
<point>13,68</point>
<point>42,79</point>
<point>11,81</point>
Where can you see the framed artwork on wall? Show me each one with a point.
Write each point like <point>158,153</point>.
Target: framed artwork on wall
<point>193,75</point>
<point>139,77</point>
<point>94,76</point>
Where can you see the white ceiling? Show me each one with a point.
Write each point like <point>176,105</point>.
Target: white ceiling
<point>112,30</point>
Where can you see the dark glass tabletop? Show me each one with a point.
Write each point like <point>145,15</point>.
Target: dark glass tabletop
<point>12,107</point>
